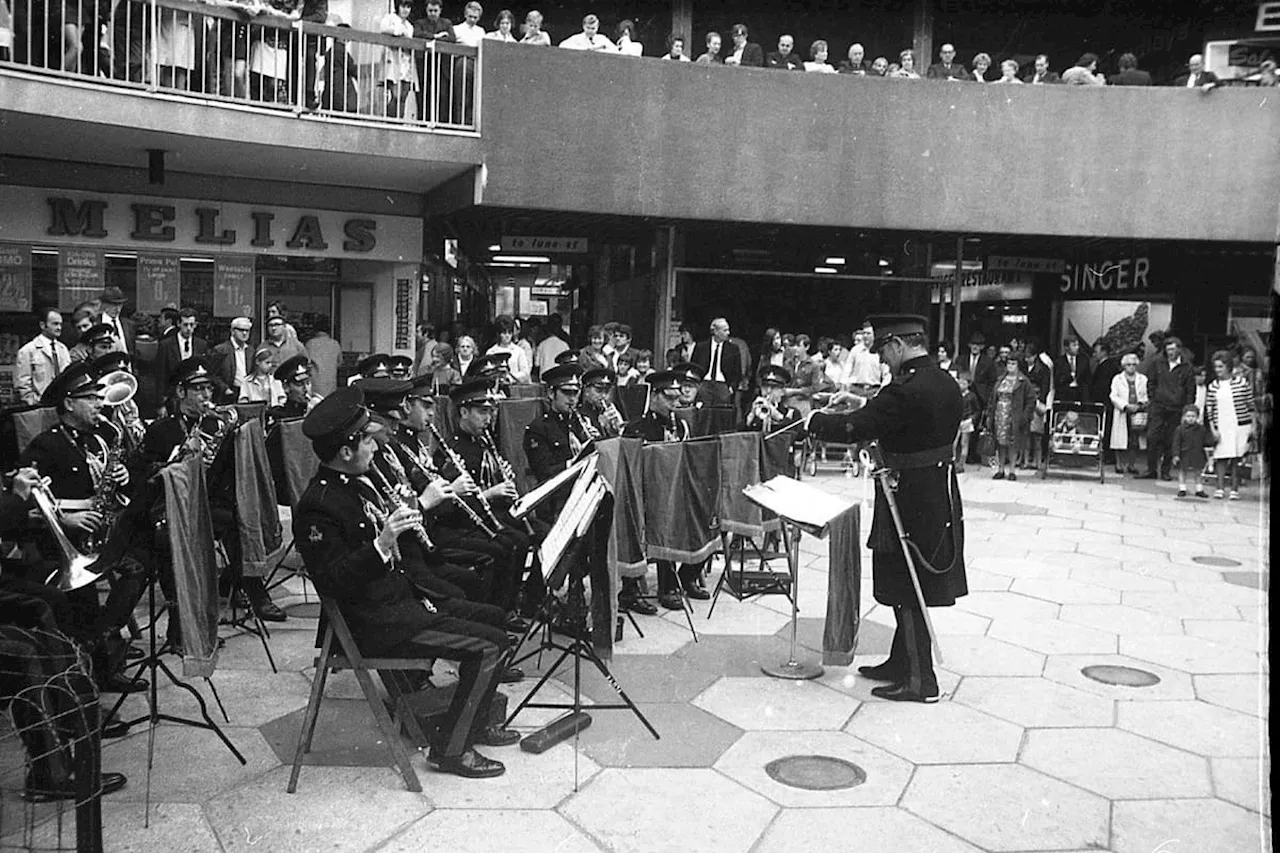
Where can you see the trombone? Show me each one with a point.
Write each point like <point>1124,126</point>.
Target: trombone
<point>73,569</point>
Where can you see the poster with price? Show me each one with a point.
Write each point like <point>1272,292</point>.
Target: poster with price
<point>404,314</point>
<point>82,273</point>
<point>159,282</point>
<point>15,278</point>
<point>233,286</point>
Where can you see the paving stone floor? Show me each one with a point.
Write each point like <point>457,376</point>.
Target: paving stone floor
<point>1024,753</point>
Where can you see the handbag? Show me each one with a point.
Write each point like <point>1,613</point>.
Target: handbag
<point>987,448</point>
<point>1138,422</point>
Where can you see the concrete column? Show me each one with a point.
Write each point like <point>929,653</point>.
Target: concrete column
<point>955,293</point>
<point>669,244</point>
<point>922,36</point>
<point>682,25</point>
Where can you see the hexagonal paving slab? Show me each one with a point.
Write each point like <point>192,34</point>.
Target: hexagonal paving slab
<point>848,681</point>
<point>1246,636</point>
<point>1052,637</point>
<point>1009,605</point>
<point>509,830</point>
<point>648,811</point>
<point>1119,579</point>
<point>1017,809</point>
<point>1191,654</point>
<point>944,733</point>
<point>661,636</point>
<point>206,766</point>
<point>1120,619</point>
<point>1197,727</point>
<point>1245,693</point>
<point>173,826</point>
<point>690,737</point>
<point>1243,781</point>
<point>1178,604</point>
<point>531,781</point>
<point>745,762</point>
<point>733,617</point>
<point>1065,592</point>
<point>1066,669</point>
<point>1035,702</point>
<point>770,704</point>
<point>1116,764</point>
<point>876,829</point>
<point>969,655</point>
<point>1205,826</point>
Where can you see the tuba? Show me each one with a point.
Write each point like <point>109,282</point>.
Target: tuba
<point>73,572</point>
<point>121,386</point>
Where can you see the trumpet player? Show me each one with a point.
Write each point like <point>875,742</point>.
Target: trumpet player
<point>75,457</point>
<point>470,451</point>
<point>597,402</point>
<point>109,368</point>
<point>294,377</point>
<point>189,430</point>
<point>768,411</point>
<point>691,376</point>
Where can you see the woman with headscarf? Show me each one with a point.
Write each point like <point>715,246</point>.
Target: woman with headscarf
<point>1129,408</point>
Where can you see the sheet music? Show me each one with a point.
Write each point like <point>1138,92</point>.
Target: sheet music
<point>537,495</point>
<point>796,501</point>
<point>566,525</point>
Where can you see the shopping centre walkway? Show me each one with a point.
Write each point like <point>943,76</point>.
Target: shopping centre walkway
<point>1024,753</point>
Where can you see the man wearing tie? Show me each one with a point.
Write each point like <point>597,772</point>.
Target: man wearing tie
<point>1197,77</point>
<point>722,363</point>
<point>1072,374</point>
<point>177,348</point>
<point>40,359</point>
<point>233,361</point>
<point>112,300</point>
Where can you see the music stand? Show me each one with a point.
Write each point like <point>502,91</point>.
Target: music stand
<point>799,508</point>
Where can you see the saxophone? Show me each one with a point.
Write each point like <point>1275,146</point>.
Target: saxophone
<point>106,501</point>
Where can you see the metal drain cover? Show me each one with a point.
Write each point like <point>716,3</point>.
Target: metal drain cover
<point>1225,562</point>
<point>1121,676</point>
<point>815,772</point>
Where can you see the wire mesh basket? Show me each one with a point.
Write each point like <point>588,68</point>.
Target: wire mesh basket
<point>50,745</point>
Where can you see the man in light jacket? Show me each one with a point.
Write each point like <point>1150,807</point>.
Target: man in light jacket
<point>40,359</point>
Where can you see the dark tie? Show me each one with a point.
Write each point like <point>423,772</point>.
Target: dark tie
<point>57,362</point>
<point>715,362</point>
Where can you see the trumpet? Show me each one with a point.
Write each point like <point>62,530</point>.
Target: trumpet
<point>763,410</point>
<point>432,476</point>
<point>508,473</point>
<point>459,463</point>
<point>396,498</point>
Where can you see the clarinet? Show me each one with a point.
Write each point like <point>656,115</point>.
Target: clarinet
<point>508,473</point>
<point>461,464</point>
<point>397,498</point>
<point>476,518</point>
<point>588,428</point>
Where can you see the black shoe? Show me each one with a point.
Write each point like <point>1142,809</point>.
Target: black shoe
<point>1150,475</point>
<point>498,736</point>
<point>671,600</point>
<point>1013,477</point>
<point>516,623</point>
<point>1166,477</point>
<point>882,672</point>
<point>999,475</point>
<point>268,610</point>
<point>510,675</point>
<point>114,728</point>
<point>134,653</point>
<point>637,605</point>
<point>696,592</point>
<point>118,683</point>
<point>470,765</point>
<point>899,693</point>
<point>66,790</point>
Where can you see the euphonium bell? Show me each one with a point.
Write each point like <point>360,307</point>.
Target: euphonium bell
<point>73,571</point>
<point>120,387</point>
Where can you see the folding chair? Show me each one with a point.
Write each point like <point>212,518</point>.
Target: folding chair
<point>744,584</point>
<point>348,656</point>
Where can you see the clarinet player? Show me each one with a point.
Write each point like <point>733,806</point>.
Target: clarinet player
<point>915,419</point>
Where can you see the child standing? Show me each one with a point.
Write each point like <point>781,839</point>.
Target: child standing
<point>971,415</point>
<point>1189,441</point>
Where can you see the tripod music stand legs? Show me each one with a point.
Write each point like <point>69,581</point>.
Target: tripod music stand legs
<point>792,668</point>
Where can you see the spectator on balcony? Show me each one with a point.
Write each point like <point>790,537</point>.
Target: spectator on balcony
<point>627,41</point>
<point>469,32</point>
<point>946,68</point>
<point>533,33</point>
<point>818,58</point>
<point>712,56</point>
<point>1042,75</point>
<point>1197,77</point>
<point>312,12</point>
<point>981,63</point>
<point>400,77</point>
<point>341,75</point>
<point>1009,72</point>
<point>6,32</point>
<point>1084,72</point>
<point>745,54</point>
<point>856,63</point>
<point>675,49</point>
<point>879,68</point>
<point>1130,75</point>
<point>269,53</point>
<point>176,47</point>
<point>784,57</point>
<point>589,38</point>
<point>907,69</point>
<point>503,27</point>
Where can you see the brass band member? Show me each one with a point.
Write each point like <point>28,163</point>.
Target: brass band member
<point>376,366</point>
<point>362,553</point>
<point>125,414</point>
<point>597,403</point>
<point>470,450</point>
<point>400,367</point>
<point>915,419</point>
<point>494,367</point>
<point>190,430</point>
<point>557,435</point>
<point>77,457</point>
<point>691,376</point>
<point>661,424</point>
<point>769,412</point>
<point>294,377</point>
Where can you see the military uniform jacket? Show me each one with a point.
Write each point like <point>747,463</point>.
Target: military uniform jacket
<point>61,453</point>
<point>547,445</point>
<point>483,471</point>
<point>335,534</point>
<point>654,428</point>
<point>595,414</point>
<point>169,432</point>
<point>287,411</point>
<point>920,410</point>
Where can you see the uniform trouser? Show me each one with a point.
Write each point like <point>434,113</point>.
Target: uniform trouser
<point>670,579</point>
<point>1160,426</point>
<point>472,635</point>
<point>509,551</point>
<point>467,583</point>
<point>911,654</point>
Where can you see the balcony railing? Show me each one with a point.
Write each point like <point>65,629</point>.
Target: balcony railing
<point>249,53</point>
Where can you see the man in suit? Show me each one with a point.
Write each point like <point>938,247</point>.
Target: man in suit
<point>785,59</point>
<point>232,361</point>
<point>40,359</point>
<point>745,54</point>
<point>172,351</point>
<point>1197,77</point>
<point>856,63</point>
<point>947,68</point>
<point>722,363</point>
<point>1072,376</point>
<point>126,331</point>
<point>1042,75</point>
<point>1130,75</point>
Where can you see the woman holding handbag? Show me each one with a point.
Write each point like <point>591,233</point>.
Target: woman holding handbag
<point>1129,402</point>
<point>1229,411</point>
<point>1013,404</point>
